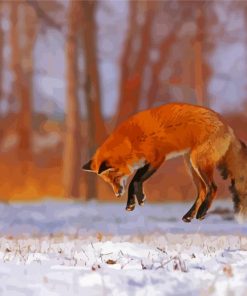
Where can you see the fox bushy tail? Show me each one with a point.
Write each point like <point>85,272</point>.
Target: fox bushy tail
<point>234,166</point>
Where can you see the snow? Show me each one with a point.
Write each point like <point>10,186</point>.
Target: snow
<point>69,248</point>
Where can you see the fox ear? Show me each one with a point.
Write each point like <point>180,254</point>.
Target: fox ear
<point>88,166</point>
<point>104,167</point>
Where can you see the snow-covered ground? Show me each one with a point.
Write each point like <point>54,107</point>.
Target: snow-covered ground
<point>66,248</point>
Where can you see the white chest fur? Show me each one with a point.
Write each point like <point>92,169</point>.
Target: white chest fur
<point>135,166</point>
<point>175,154</point>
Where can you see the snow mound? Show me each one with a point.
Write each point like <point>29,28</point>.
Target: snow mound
<point>57,248</point>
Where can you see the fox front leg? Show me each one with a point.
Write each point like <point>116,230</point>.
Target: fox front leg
<point>136,186</point>
<point>135,191</point>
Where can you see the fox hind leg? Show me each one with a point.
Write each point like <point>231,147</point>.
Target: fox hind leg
<point>201,191</point>
<point>204,159</point>
<point>211,193</point>
<point>204,166</point>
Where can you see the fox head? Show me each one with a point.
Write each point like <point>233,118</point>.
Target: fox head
<point>114,176</point>
<point>111,164</point>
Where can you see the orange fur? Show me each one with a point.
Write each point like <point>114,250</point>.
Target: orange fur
<point>163,132</point>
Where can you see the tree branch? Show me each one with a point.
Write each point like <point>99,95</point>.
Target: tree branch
<point>43,15</point>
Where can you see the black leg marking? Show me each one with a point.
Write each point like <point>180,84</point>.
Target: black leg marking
<point>235,196</point>
<point>135,187</point>
<point>202,211</point>
<point>190,214</point>
<point>199,187</point>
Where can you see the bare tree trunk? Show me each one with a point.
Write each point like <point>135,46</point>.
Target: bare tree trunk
<point>15,50</point>
<point>132,84</point>
<point>90,54</point>
<point>164,50</point>
<point>199,63</point>
<point>15,66</point>
<point>92,192</point>
<point>26,94</point>
<point>72,155</point>
<point>1,52</point>
<point>22,69</point>
<point>187,80</point>
<point>96,125</point>
<point>1,70</point>
<point>127,53</point>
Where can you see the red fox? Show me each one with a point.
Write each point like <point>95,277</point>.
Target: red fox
<point>141,144</point>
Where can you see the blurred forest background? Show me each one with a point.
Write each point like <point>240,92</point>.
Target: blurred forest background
<point>70,71</point>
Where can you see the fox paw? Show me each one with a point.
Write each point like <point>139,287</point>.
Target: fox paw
<point>141,200</point>
<point>130,208</point>
<point>189,215</point>
<point>187,218</point>
<point>200,216</point>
